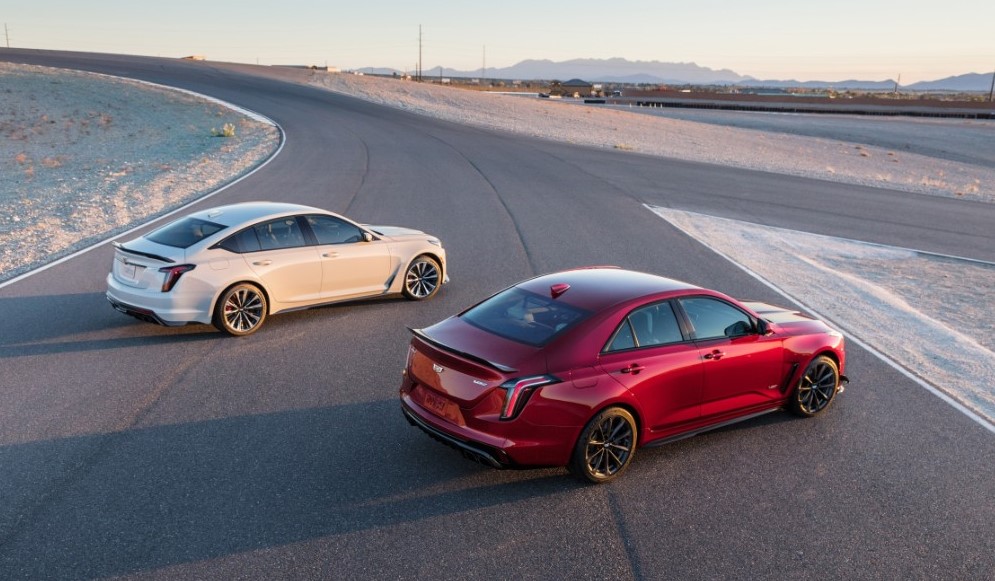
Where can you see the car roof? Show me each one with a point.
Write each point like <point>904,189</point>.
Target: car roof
<point>247,212</point>
<point>596,288</point>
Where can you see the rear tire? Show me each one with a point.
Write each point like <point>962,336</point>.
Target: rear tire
<point>241,310</point>
<point>606,446</point>
<point>816,389</point>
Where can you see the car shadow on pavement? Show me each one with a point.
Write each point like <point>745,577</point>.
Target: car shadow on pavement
<point>101,505</point>
<point>52,324</point>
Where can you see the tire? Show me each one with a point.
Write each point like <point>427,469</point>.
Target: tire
<point>422,278</point>
<point>605,447</point>
<point>816,389</point>
<point>241,310</point>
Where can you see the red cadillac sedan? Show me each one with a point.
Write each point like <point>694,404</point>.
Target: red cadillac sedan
<point>579,368</point>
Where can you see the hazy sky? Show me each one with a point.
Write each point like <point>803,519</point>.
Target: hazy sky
<point>767,39</point>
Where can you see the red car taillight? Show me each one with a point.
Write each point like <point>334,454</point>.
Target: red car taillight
<point>173,274</point>
<point>518,392</point>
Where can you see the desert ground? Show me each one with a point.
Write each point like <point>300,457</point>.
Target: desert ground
<point>85,156</point>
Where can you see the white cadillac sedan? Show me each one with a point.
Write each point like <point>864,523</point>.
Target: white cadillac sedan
<point>235,265</point>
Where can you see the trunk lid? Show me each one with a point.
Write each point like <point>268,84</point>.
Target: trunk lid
<point>466,364</point>
<point>137,262</point>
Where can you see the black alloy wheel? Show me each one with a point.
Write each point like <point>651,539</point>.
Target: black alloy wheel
<point>605,447</point>
<point>817,387</point>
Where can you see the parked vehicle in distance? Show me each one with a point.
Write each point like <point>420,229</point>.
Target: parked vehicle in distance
<point>235,265</point>
<point>579,368</point>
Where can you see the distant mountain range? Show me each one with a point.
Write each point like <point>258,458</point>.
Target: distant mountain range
<point>619,70</point>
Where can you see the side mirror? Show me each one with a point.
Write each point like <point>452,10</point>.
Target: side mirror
<point>763,328</point>
<point>367,237</point>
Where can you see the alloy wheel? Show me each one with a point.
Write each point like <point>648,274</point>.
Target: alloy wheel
<point>421,279</point>
<point>609,446</point>
<point>243,310</point>
<point>817,387</point>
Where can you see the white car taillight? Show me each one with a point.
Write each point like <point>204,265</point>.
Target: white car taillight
<point>173,274</point>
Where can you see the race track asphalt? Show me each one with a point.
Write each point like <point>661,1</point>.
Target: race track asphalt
<point>134,450</point>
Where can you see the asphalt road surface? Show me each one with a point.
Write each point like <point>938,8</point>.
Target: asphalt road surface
<point>133,450</point>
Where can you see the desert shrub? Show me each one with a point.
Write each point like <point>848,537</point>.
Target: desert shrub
<point>227,130</point>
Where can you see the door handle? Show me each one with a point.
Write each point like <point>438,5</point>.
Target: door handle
<point>716,354</point>
<point>634,369</point>
<point>330,255</point>
<point>263,262</point>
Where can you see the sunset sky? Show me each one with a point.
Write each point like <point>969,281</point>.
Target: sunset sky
<point>766,39</point>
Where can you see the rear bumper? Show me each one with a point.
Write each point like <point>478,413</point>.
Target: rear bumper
<point>141,314</point>
<point>473,450</point>
<point>170,309</point>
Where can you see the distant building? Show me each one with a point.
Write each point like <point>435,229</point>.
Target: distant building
<point>577,88</point>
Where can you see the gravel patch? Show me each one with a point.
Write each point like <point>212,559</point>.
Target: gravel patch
<point>846,153</point>
<point>84,156</point>
<point>928,313</point>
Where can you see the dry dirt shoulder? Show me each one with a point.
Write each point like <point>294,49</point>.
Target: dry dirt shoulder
<point>84,156</point>
<point>780,150</point>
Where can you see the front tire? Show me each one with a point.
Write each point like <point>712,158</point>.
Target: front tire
<point>241,310</point>
<point>817,388</point>
<point>605,447</point>
<point>422,278</point>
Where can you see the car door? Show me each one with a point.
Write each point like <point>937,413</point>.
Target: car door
<point>351,265</point>
<point>650,356</point>
<point>741,367</point>
<point>277,252</point>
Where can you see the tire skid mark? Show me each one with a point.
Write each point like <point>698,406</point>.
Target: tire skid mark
<point>366,172</point>
<point>624,536</point>
<point>497,194</point>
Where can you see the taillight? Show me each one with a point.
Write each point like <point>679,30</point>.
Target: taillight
<point>173,274</point>
<point>518,391</point>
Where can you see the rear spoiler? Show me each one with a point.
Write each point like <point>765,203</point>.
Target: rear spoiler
<point>121,247</point>
<point>421,335</point>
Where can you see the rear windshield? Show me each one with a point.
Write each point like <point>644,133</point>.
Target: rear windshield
<point>523,316</point>
<point>184,232</point>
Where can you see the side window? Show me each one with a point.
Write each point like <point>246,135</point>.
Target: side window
<point>329,230</point>
<point>244,241</point>
<point>624,339</point>
<point>651,325</point>
<point>279,233</point>
<point>712,318</point>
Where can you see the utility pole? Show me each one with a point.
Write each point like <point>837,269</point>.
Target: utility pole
<point>6,33</point>
<point>991,92</point>
<point>419,53</point>
<point>483,71</point>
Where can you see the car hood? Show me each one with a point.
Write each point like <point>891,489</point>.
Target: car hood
<point>397,231</point>
<point>776,314</point>
<point>791,321</point>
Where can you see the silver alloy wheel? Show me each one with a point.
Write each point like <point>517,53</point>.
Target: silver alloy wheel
<point>609,446</point>
<point>243,310</point>
<point>422,279</point>
<point>817,388</point>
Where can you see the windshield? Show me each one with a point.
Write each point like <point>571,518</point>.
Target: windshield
<point>184,232</point>
<point>523,316</point>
